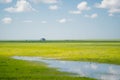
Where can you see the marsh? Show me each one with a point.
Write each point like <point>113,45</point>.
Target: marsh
<point>83,69</point>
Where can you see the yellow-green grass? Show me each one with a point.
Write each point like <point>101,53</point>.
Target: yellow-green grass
<point>11,69</point>
<point>106,52</point>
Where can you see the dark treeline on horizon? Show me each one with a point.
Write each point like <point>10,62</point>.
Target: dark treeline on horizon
<point>45,41</point>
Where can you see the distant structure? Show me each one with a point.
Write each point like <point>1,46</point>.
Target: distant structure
<point>43,39</point>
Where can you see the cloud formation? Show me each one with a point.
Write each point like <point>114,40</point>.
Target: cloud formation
<point>63,20</point>
<point>7,20</point>
<point>113,6</point>
<point>21,6</point>
<point>95,15</point>
<point>75,12</point>
<point>53,7</point>
<point>5,1</point>
<point>83,6</point>
<point>45,1</point>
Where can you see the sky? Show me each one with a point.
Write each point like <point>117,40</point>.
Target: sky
<point>59,19</point>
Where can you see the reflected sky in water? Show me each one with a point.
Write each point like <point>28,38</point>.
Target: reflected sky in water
<point>85,69</point>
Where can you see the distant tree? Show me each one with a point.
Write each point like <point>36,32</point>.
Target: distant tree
<point>43,39</point>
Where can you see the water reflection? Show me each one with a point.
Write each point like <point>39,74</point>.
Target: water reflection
<point>86,69</point>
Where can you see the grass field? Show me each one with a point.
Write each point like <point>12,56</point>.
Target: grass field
<point>10,69</point>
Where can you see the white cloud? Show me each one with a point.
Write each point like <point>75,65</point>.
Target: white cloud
<point>27,21</point>
<point>53,7</point>
<point>5,1</point>
<point>7,20</point>
<point>92,16</point>
<point>44,22</point>
<point>75,12</point>
<point>45,1</point>
<point>50,1</point>
<point>113,6</point>
<point>63,20</point>
<point>21,6</point>
<point>83,6</point>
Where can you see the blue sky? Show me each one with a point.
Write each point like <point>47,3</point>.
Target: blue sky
<point>59,19</point>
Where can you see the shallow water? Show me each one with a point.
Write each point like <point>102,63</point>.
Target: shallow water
<point>85,69</point>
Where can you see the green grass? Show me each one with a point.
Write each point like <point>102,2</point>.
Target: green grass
<point>11,69</point>
<point>103,52</point>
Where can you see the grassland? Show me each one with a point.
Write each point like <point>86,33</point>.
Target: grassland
<point>95,51</point>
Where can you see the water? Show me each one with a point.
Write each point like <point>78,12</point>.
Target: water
<point>84,69</point>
